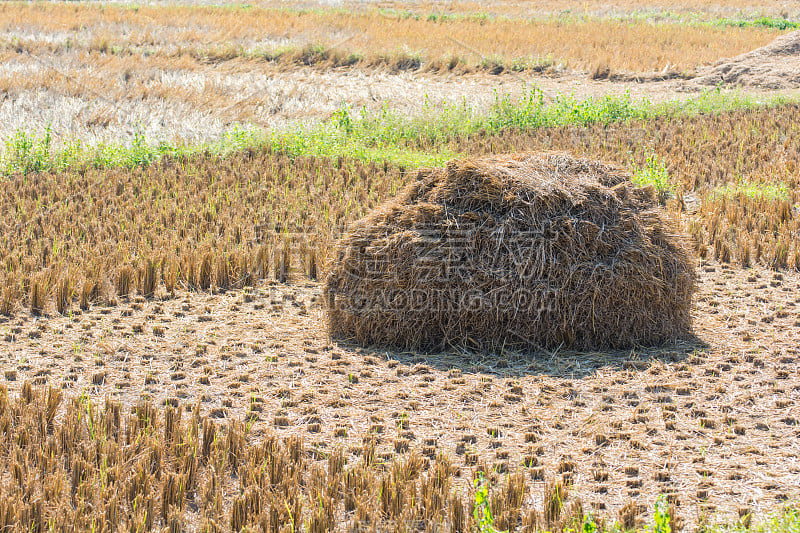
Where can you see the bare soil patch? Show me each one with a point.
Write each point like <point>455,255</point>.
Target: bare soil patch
<point>711,421</point>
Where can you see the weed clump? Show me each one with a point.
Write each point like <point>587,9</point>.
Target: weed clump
<point>524,251</point>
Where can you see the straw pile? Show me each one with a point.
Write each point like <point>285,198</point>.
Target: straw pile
<point>775,66</point>
<point>513,252</point>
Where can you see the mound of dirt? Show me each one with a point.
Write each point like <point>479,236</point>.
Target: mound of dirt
<point>519,252</point>
<point>775,66</point>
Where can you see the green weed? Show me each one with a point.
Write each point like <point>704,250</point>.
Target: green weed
<point>755,191</point>
<point>384,135</point>
<point>26,153</point>
<point>484,521</point>
<point>761,22</point>
<point>654,173</point>
<point>784,520</point>
<point>661,516</point>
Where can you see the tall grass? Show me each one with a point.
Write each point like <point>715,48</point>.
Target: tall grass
<point>382,136</point>
<point>366,135</point>
<point>754,191</point>
<point>761,22</point>
<point>654,173</point>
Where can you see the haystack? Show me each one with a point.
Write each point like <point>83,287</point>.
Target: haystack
<point>774,66</point>
<point>513,252</point>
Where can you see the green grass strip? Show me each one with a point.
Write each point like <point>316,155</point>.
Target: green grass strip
<point>761,22</point>
<point>755,191</point>
<point>385,135</point>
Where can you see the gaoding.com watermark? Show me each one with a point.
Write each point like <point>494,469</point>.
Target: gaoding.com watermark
<point>502,300</point>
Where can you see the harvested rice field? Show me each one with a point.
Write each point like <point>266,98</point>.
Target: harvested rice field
<point>188,190</point>
<point>711,421</point>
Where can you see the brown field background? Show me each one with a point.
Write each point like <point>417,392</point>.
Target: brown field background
<point>522,8</point>
<point>219,33</point>
<point>711,7</point>
<point>189,74</point>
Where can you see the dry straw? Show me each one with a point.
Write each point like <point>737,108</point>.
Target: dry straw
<point>522,252</point>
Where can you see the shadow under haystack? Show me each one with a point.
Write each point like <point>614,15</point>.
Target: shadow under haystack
<point>515,252</point>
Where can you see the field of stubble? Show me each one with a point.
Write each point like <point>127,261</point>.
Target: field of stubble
<point>165,363</point>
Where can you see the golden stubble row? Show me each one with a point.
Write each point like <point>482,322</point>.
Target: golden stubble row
<point>523,8</point>
<point>725,167</point>
<point>109,467</point>
<point>202,222</point>
<point>579,43</point>
<point>215,223</point>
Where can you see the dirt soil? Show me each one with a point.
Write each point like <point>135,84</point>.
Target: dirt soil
<point>713,421</point>
<point>775,66</point>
